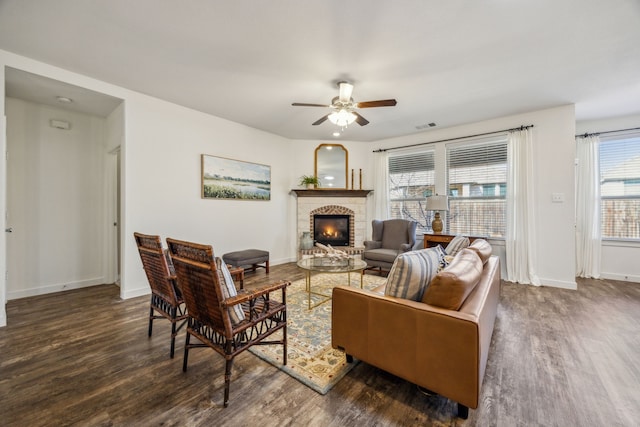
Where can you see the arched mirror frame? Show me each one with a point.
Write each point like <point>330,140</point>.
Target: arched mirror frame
<point>320,167</point>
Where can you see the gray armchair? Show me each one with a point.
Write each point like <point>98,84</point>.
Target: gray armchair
<point>390,238</point>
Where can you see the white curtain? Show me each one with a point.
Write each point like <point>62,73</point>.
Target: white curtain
<point>521,221</point>
<point>588,240</point>
<point>381,186</point>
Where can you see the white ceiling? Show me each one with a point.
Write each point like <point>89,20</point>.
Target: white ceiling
<point>450,62</point>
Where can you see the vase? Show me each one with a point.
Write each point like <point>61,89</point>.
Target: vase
<point>306,242</point>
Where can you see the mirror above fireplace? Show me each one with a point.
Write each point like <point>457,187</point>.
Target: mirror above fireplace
<point>331,166</point>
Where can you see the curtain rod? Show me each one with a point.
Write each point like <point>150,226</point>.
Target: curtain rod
<point>586,135</point>
<point>380,150</point>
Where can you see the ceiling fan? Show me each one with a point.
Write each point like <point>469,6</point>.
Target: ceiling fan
<point>344,107</point>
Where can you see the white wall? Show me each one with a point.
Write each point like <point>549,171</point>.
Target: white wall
<point>162,171</point>
<point>619,259</point>
<point>55,200</point>
<point>554,154</point>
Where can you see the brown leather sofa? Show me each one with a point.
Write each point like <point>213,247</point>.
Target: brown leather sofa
<point>442,350</point>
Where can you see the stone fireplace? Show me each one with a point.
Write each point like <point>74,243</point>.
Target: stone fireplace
<point>349,205</point>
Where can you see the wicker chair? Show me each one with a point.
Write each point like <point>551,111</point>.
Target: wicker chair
<point>166,298</point>
<point>213,317</point>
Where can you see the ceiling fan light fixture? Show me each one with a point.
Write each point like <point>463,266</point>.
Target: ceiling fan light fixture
<point>342,118</point>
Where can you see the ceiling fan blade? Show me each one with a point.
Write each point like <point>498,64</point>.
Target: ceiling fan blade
<point>361,120</point>
<point>381,103</point>
<point>320,120</point>
<point>346,90</point>
<point>302,104</point>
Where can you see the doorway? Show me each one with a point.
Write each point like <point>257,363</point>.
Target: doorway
<point>58,202</point>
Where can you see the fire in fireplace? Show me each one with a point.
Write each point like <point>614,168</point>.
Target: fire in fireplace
<point>331,229</point>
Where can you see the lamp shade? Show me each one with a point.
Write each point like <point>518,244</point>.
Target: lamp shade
<point>437,203</point>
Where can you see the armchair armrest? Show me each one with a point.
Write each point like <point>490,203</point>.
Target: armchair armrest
<point>372,244</point>
<point>406,247</point>
<point>247,295</point>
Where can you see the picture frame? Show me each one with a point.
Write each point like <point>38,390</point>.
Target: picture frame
<point>229,179</point>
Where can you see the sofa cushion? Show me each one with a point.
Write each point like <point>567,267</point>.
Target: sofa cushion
<point>443,258</point>
<point>236,314</point>
<point>452,286</point>
<point>456,245</point>
<point>482,248</point>
<point>411,273</point>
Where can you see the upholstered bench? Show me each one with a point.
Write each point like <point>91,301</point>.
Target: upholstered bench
<point>252,257</point>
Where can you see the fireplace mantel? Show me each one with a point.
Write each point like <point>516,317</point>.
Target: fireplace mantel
<point>331,193</point>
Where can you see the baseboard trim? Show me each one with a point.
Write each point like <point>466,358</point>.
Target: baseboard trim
<point>559,284</point>
<point>134,293</point>
<point>621,277</point>
<point>57,287</point>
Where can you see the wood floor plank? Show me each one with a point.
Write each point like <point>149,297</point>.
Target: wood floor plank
<point>82,357</point>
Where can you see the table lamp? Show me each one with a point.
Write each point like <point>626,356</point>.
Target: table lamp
<point>437,203</point>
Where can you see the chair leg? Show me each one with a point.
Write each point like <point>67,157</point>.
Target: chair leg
<point>186,353</point>
<point>227,381</point>
<point>151,318</point>
<point>284,344</point>
<point>173,332</point>
<point>267,266</point>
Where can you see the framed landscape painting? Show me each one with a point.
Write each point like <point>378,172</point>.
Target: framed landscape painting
<point>233,179</point>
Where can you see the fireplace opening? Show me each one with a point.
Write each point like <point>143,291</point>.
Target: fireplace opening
<point>331,229</point>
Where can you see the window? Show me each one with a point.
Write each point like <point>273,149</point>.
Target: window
<point>620,187</point>
<point>477,177</point>
<point>476,172</point>
<point>411,180</point>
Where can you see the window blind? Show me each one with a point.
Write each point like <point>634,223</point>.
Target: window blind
<point>477,182</point>
<point>411,180</point>
<point>620,186</point>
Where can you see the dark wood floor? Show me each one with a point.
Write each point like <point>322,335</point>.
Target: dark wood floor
<point>82,357</point>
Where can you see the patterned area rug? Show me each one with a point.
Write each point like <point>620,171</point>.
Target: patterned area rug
<point>310,359</point>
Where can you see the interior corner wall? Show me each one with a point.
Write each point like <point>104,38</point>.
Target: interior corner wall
<point>554,156</point>
<point>360,157</point>
<point>619,258</point>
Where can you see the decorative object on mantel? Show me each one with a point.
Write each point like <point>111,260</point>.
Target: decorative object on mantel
<point>306,242</point>
<point>331,162</point>
<point>310,181</point>
<point>437,203</point>
<point>361,179</point>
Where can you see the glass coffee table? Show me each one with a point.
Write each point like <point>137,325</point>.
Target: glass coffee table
<point>331,266</point>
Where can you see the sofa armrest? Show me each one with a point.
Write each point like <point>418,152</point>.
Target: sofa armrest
<point>432,347</point>
<point>406,247</point>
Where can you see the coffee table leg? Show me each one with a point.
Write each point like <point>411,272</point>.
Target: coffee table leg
<point>308,286</point>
